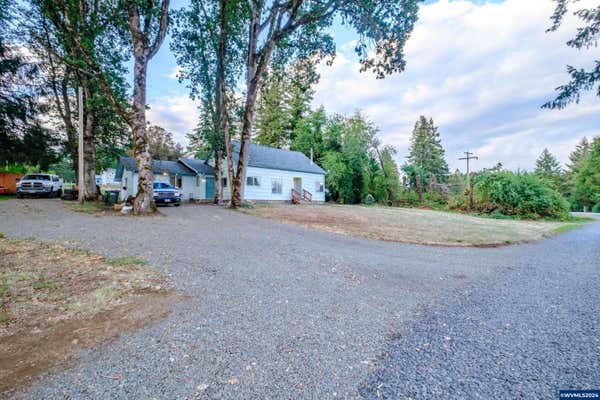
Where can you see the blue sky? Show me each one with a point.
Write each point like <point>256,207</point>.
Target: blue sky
<point>480,69</point>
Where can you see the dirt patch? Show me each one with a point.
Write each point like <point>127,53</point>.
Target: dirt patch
<point>54,301</point>
<point>409,225</point>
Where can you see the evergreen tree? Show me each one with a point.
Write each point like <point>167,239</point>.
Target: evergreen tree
<point>308,134</point>
<point>426,153</point>
<point>547,166</point>
<point>578,156</point>
<point>283,101</point>
<point>587,182</point>
<point>576,160</point>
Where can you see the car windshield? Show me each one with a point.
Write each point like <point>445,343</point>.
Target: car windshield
<point>162,185</point>
<point>35,177</point>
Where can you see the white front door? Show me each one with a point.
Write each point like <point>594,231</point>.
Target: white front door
<point>298,185</point>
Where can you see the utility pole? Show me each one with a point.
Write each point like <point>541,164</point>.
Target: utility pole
<point>80,177</point>
<point>469,156</point>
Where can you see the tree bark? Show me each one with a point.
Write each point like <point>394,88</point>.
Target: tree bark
<point>67,118</point>
<point>221,96</point>
<point>256,66</point>
<point>143,51</point>
<point>89,151</point>
<point>144,200</point>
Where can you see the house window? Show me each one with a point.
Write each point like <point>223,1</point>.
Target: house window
<point>252,181</point>
<point>224,182</point>
<point>175,181</point>
<point>198,180</point>
<point>276,186</point>
<point>319,187</point>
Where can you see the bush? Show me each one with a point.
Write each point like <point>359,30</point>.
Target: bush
<point>596,208</point>
<point>435,200</point>
<point>523,195</point>
<point>407,198</point>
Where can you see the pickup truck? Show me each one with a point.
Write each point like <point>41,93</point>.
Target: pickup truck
<point>39,185</point>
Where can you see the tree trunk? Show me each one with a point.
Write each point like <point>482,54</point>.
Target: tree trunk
<point>218,157</point>
<point>89,151</point>
<point>256,65</point>
<point>144,200</point>
<point>238,185</point>
<point>63,104</point>
<point>221,96</point>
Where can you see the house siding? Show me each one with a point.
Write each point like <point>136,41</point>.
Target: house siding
<point>189,189</point>
<point>265,176</point>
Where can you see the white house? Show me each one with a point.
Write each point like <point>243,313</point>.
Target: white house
<point>194,184</point>
<point>272,175</point>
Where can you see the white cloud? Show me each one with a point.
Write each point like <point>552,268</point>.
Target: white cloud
<point>177,114</point>
<point>175,73</point>
<point>481,71</point>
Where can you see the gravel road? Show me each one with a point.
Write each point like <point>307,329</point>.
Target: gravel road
<point>281,312</point>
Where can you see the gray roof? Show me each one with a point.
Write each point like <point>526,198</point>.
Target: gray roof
<point>272,158</point>
<point>198,166</point>
<point>158,167</point>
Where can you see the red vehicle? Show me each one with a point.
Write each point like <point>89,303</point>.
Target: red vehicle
<point>3,190</point>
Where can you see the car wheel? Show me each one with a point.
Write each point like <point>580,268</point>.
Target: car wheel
<point>19,196</point>
<point>59,192</point>
<point>177,204</point>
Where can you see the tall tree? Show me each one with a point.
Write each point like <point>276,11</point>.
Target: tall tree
<point>547,166</point>
<point>141,26</point>
<point>299,29</point>
<point>576,160</point>
<point>308,133</point>
<point>148,21</point>
<point>23,139</point>
<point>162,144</point>
<point>52,28</point>
<point>208,43</point>
<point>284,99</point>
<point>587,37</point>
<point>578,156</point>
<point>587,182</point>
<point>386,178</point>
<point>426,153</point>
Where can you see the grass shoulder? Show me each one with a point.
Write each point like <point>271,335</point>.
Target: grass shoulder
<point>54,300</point>
<point>414,225</point>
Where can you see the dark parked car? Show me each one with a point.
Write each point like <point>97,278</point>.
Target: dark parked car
<point>165,194</point>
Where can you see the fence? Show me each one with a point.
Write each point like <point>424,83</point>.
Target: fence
<point>9,181</point>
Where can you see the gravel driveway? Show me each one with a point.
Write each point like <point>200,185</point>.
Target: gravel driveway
<point>280,312</point>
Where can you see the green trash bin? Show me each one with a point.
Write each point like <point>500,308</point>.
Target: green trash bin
<point>112,197</point>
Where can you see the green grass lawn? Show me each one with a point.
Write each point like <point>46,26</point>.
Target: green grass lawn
<point>6,197</point>
<point>413,225</point>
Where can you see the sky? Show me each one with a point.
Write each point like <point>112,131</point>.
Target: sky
<point>480,69</point>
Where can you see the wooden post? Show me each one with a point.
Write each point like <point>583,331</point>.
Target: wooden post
<point>469,156</point>
<point>80,178</point>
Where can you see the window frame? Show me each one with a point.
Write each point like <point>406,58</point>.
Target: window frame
<point>252,181</point>
<point>319,187</point>
<point>274,182</point>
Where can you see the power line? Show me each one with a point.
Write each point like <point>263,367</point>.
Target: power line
<point>469,156</point>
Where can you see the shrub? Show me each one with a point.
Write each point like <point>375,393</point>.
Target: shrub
<point>523,195</point>
<point>435,199</point>
<point>596,208</point>
<point>408,198</point>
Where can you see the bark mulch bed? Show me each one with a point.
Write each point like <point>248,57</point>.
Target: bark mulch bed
<point>55,301</point>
